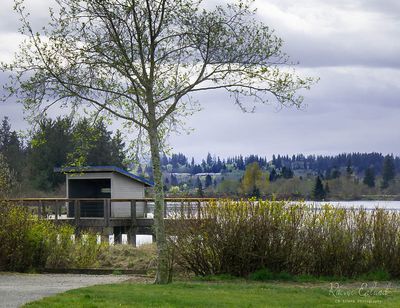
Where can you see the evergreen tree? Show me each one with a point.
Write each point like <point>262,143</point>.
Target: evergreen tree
<point>50,144</point>
<point>369,177</point>
<point>196,169</point>
<point>164,160</point>
<point>166,182</point>
<point>349,170</point>
<point>273,176</point>
<point>200,192</point>
<point>318,192</point>
<point>11,148</point>
<point>335,173</point>
<point>388,170</point>
<point>118,151</point>
<point>327,189</point>
<point>208,181</point>
<point>328,174</point>
<point>240,163</point>
<point>287,173</point>
<point>209,161</point>
<point>174,180</point>
<point>274,160</point>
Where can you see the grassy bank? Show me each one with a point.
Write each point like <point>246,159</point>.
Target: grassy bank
<point>229,294</point>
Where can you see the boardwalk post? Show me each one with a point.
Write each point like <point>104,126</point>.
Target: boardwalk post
<point>132,230</point>
<point>145,209</point>
<point>133,212</point>
<point>198,209</point>
<point>165,208</point>
<point>107,210</point>
<point>56,210</point>
<point>182,210</point>
<point>77,211</point>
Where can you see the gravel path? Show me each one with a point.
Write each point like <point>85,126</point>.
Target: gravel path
<point>18,289</point>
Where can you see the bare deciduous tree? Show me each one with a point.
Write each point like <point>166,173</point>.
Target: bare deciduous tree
<point>140,60</point>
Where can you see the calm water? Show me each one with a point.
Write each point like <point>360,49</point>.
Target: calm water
<point>392,205</point>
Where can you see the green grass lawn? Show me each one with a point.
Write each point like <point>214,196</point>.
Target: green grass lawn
<point>226,294</point>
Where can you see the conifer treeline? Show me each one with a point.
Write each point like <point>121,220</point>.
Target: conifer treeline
<point>328,166</point>
<point>56,143</point>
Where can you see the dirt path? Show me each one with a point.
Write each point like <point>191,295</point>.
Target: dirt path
<point>18,289</point>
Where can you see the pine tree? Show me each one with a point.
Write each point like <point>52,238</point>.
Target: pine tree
<point>349,170</point>
<point>118,150</point>
<point>208,181</point>
<point>287,173</point>
<point>335,173</point>
<point>174,180</point>
<point>11,148</point>
<point>319,192</point>
<point>50,145</point>
<point>200,191</point>
<point>327,189</point>
<point>388,170</point>
<point>273,175</point>
<point>369,177</point>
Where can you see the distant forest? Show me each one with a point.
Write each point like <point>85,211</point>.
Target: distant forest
<point>323,165</point>
<point>31,158</point>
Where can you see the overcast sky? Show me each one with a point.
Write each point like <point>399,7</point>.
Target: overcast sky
<point>352,45</point>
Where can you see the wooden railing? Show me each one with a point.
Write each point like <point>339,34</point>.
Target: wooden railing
<point>59,209</point>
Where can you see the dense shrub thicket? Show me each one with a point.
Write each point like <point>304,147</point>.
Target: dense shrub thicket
<point>240,237</point>
<point>29,243</point>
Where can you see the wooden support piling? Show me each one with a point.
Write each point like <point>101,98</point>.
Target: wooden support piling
<point>56,211</point>
<point>77,212</point>
<point>182,210</point>
<point>165,208</point>
<point>107,212</point>
<point>133,213</point>
<point>198,210</point>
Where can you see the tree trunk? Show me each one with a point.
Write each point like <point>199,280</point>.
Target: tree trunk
<point>162,276</point>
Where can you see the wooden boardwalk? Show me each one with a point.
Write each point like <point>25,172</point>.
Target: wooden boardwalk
<point>59,211</point>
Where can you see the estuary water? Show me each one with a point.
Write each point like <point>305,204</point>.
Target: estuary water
<point>367,204</point>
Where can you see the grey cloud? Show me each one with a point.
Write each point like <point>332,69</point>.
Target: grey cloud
<point>354,107</point>
<point>345,33</point>
<point>346,112</point>
<point>39,15</point>
<point>391,7</point>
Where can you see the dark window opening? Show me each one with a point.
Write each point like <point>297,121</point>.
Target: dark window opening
<point>89,188</point>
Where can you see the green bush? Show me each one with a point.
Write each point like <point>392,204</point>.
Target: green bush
<point>62,254</point>
<point>241,237</point>
<point>24,240</point>
<point>87,251</point>
<point>28,243</point>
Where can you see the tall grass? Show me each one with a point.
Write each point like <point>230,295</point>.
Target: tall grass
<point>240,237</point>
